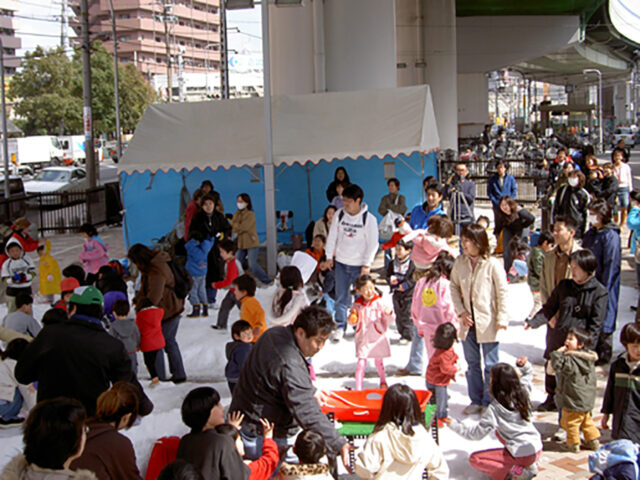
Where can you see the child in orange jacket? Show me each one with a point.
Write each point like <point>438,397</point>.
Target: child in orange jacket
<point>250,309</point>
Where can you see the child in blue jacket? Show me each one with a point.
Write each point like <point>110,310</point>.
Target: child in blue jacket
<point>237,351</point>
<point>197,251</point>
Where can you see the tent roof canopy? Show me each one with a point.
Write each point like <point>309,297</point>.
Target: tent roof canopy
<point>311,127</point>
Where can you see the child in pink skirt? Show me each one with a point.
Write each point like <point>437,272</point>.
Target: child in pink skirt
<point>372,318</point>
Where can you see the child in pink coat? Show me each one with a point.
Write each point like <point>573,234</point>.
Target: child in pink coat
<point>427,244</point>
<point>94,251</point>
<point>372,318</point>
<point>432,304</point>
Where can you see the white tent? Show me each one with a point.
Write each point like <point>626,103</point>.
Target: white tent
<point>313,127</point>
<point>310,127</point>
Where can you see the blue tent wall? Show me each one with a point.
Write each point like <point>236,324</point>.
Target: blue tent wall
<point>151,213</point>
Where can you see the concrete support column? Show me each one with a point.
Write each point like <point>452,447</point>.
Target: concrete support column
<point>441,69</point>
<point>473,103</point>
<point>360,42</point>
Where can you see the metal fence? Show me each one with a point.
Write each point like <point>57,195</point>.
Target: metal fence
<point>480,171</point>
<point>65,211</point>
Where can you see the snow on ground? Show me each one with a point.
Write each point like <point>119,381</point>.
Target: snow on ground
<point>203,354</point>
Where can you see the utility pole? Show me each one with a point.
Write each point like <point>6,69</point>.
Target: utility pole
<point>64,29</point>
<point>166,8</point>
<point>5,142</point>
<point>116,80</point>
<point>86,94</point>
<point>180,74</point>
<point>224,52</point>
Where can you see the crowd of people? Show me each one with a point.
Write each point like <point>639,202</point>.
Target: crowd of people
<point>74,372</point>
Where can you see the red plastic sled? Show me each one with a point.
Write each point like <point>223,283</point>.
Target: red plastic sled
<point>362,405</point>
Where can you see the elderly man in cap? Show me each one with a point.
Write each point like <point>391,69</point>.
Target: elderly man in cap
<point>78,359</point>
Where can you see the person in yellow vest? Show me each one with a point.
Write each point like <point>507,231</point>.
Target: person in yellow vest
<point>48,271</point>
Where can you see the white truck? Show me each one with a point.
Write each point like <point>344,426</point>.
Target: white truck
<point>74,150</point>
<point>35,152</point>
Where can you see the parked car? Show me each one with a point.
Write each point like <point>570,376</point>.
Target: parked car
<point>624,133</point>
<point>17,206</point>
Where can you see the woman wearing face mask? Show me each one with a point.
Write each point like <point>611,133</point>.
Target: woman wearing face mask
<point>603,239</point>
<point>243,224</point>
<point>572,200</point>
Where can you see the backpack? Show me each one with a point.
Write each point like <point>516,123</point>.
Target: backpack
<point>182,279</point>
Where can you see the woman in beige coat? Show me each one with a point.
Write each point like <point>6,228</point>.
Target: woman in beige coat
<point>243,224</point>
<point>478,291</point>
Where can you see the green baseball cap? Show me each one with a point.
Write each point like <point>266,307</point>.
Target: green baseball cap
<point>87,296</point>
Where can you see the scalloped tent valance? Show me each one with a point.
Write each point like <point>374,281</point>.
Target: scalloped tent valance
<point>311,127</point>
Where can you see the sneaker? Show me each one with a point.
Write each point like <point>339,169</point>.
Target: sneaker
<point>560,435</point>
<point>592,445</point>
<point>337,335</point>
<point>218,327</point>
<point>442,422</point>
<point>405,371</point>
<point>571,448</point>
<point>10,422</point>
<point>549,405</point>
<point>154,381</point>
<point>472,409</point>
<point>403,341</point>
<point>522,473</point>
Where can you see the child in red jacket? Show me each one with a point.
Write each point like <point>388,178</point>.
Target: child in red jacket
<point>149,321</point>
<point>264,467</point>
<point>442,368</point>
<point>232,270</point>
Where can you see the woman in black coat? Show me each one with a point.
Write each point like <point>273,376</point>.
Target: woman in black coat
<point>340,175</point>
<point>212,224</point>
<point>512,220</point>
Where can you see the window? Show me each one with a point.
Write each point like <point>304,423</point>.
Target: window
<point>389,170</point>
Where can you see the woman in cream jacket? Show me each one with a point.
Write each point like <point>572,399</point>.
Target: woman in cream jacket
<point>478,291</point>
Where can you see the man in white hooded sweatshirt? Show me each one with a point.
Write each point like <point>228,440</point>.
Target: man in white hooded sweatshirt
<point>351,247</point>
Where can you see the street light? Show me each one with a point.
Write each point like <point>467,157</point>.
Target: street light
<point>600,137</point>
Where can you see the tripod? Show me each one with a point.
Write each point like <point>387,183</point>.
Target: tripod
<point>456,202</point>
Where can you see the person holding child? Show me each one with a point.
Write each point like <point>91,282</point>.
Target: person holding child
<point>575,369</point>
<point>371,319</point>
<point>20,233</point>
<point>478,292</point>
<point>400,446</point>
<point>509,416</point>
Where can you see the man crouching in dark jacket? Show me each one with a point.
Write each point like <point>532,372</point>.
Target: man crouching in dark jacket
<point>275,384</point>
<point>78,359</point>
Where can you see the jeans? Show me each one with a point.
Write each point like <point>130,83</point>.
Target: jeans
<point>228,302</point>
<point>345,275</point>
<point>416,354</point>
<point>251,254</point>
<point>170,330</point>
<point>198,293</point>
<point>9,410</point>
<point>211,294</point>
<point>623,197</point>
<point>637,273</point>
<point>133,356</point>
<point>478,387</point>
<point>441,398</point>
<point>253,447</point>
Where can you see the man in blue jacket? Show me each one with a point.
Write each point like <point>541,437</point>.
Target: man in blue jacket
<point>433,206</point>
<point>501,185</point>
<point>603,239</point>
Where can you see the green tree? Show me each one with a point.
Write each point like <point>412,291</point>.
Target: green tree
<point>42,96</point>
<point>47,93</point>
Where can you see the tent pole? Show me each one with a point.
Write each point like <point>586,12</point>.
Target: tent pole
<point>309,190</point>
<point>269,181</point>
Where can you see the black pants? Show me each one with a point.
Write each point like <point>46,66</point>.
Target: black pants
<point>550,384</point>
<point>228,302</point>
<point>604,348</point>
<point>402,307</point>
<point>232,386</point>
<point>150,362</point>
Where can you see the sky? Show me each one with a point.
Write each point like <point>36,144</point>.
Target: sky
<point>38,23</point>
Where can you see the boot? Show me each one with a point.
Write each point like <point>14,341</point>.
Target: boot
<point>205,309</point>
<point>195,312</point>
